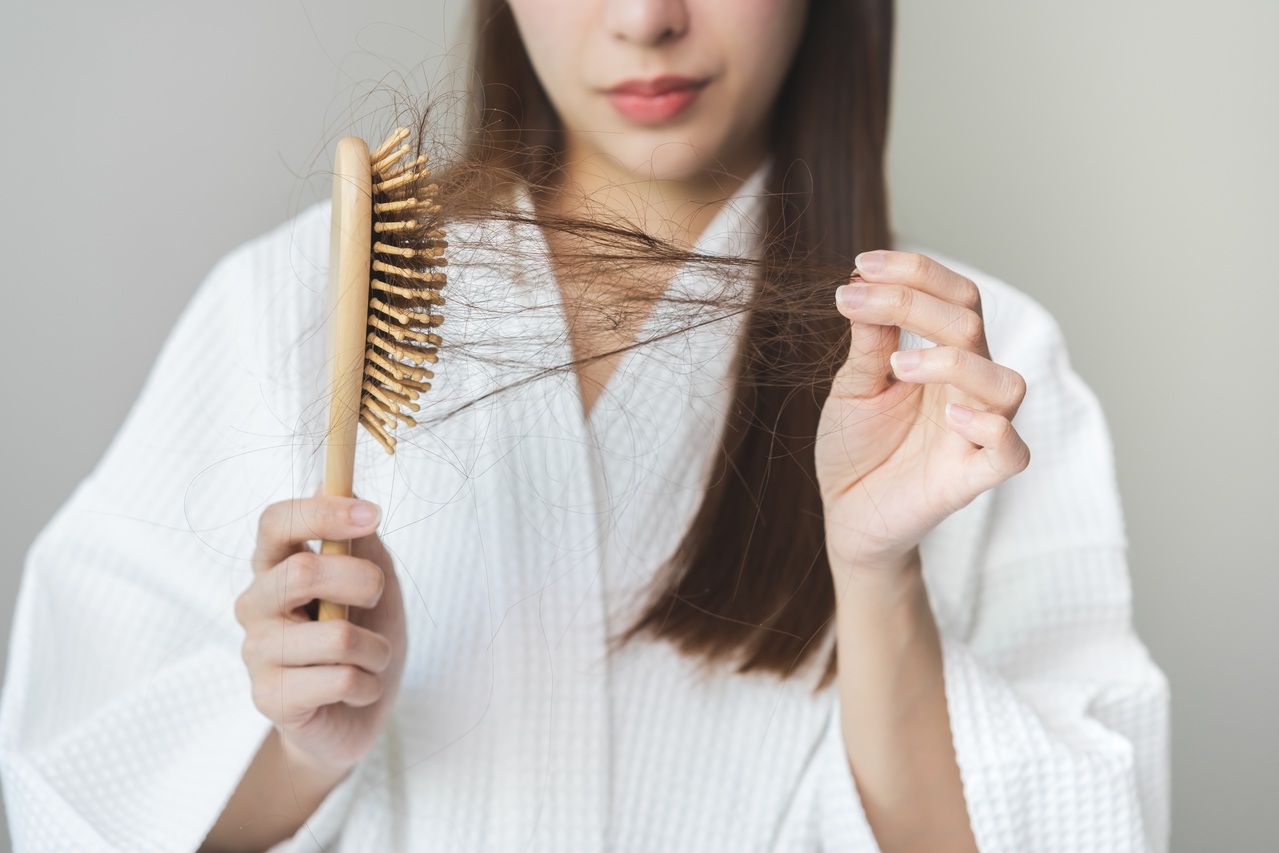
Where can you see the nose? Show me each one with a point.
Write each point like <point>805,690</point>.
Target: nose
<point>646,22</point>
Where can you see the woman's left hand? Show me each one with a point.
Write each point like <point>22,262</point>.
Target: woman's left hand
<point>907,438</point>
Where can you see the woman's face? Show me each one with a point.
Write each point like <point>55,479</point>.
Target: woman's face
<point>667,88</point>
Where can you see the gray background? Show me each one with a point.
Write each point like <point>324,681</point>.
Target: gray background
<point>1115,159</point>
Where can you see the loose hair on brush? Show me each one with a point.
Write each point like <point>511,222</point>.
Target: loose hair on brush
<point>749,585</point>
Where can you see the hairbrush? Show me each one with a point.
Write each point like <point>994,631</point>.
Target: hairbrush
<point>386,252</point>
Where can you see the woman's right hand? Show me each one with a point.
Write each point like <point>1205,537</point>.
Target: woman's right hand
<point>327,686</point>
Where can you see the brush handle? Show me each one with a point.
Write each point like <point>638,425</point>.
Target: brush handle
<point>350,250</point>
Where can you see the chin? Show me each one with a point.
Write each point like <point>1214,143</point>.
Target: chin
<point>675,158</point>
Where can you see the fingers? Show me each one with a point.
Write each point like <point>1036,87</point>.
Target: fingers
<point>337,642</point>
<point>298,579</point>
<point>866,372</point>
<point>1002,452</point>
<point>285,527</point>
<point>296,692</point>
<point>998,388</point>
<point>918,294</point>
<point>298,666</point>
<point>931,317</point>
<point>920,272</point>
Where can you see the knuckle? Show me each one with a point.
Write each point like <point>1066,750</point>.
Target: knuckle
<point>1016,387</point>
<point>914,264</point>
<point>346,680</point>
<point>375,580</point>
<point>375,688</point>
<point>269,520</point>
<point>1016,460</point>
<point>249,651</point>
<point>897,299</point>
<point>243,608</point>
<point>384,653</point>
<point>261,651</point>
<point>265,699</point>
<point>303,572</point>
<point>971,328</point>
<point>948,358</point>
<point>969,295</point>
<point>329,513</point>
<point>342,637</point>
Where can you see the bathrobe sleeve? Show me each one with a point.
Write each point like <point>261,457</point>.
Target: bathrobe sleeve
<point>126,721</point>
<point>1059,717</point>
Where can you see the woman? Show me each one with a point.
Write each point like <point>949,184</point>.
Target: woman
<point>761,580</point>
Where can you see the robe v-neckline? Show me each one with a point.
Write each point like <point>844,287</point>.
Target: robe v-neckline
<point>734,231</point>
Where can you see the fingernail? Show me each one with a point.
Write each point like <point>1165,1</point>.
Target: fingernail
<point>905,360</point>
<point>364,513</point>
<point>959,414</point>
<point>848,296</point>
<point>871,262</point>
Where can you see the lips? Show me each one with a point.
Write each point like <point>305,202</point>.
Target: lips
<point>655,101</point>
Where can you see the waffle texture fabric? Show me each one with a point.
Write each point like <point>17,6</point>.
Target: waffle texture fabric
<point>525,536</point>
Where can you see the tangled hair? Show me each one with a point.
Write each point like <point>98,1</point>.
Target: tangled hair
<point>749,585</point>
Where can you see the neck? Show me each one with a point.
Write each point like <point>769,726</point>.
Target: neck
<point>600,188</point>
<point>605,311</point>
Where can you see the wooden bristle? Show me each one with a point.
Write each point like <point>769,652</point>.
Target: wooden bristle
<point>377,431</point>
<point>391,401</point>
<point>399,334</point>
<point>392,206</point>
<point>396,171</point>
<point>423,205</point>
<point>381,377</point>
<point>408,253</point>
<point>384,249</point>
<point>383,227</point>
<point>375,410</point>
<point>395,183</point>
<point>415,275</point>
<point>401,134</point>
<point>402,372</point>
<point>382,166</point>
<point>415,355</point>
<point>417,293</point>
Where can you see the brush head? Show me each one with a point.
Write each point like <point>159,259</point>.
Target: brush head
<point>404,288</point>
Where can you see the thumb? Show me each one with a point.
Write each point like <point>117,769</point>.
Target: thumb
<point>867,371</point>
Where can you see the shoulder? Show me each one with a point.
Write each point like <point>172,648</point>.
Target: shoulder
<point>252,336</point>
<point>292,258</point>
<point>304,236</point>
<point>268,295</point>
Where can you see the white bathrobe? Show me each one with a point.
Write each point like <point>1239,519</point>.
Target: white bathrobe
<point>525,536</point>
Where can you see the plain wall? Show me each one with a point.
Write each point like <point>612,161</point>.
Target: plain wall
<point>1116,160</point>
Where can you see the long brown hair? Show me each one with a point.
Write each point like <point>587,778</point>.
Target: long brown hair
<point>750,584</point>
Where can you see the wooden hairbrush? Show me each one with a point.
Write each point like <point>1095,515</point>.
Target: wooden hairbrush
<point>385,256</point>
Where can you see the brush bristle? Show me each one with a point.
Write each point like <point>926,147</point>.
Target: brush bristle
<point>404,288</point>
